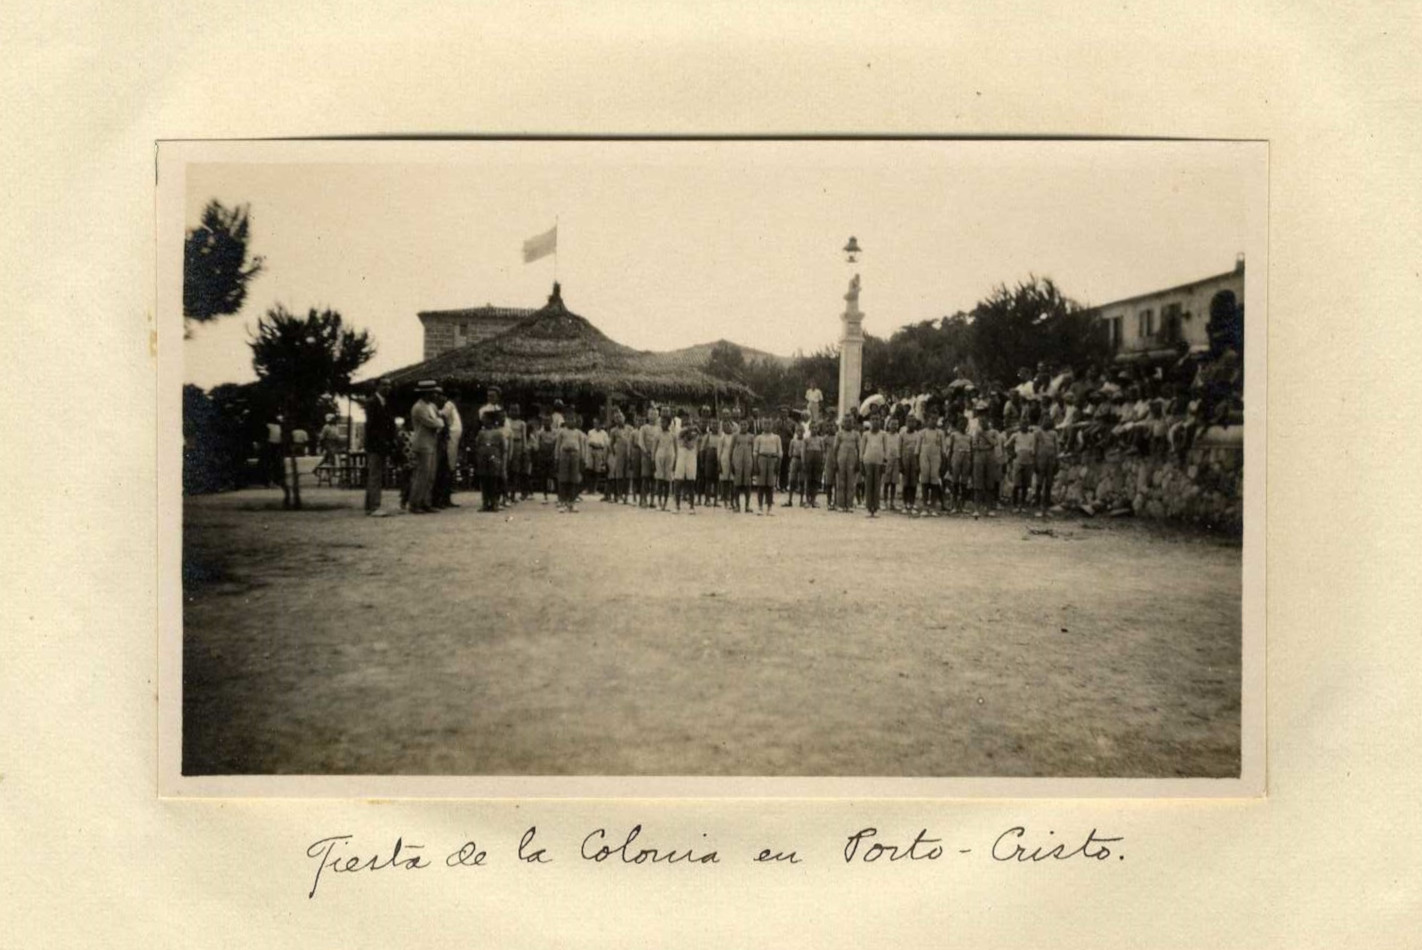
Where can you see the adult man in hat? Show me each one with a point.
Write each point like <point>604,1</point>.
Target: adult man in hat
<point>428,425</point>
<point>380,447</point>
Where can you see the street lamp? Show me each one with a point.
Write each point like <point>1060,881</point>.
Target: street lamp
<point>852,250</point>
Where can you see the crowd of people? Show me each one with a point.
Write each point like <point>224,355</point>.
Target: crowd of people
<point>959,451</point>
<point>1155,409</point>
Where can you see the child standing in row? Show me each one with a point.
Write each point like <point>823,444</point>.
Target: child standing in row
<point>960,466</point>
<point>930,465</point>
<point>846,465</point>
<point>684,472</point>
<point>873,451</point>
<point>1046,464</point>
<point>709,471</point>
<point>634,455</point>
<point>1022,449</point>
<point>647,440</point>
<point>797,465</point>
<point>742,466</point>
<point>723,463</point>
<point>893,464</point>
<point>518,459</point>
<point>983,447</point>
<point>812,467</point>
<point>768,452</point>
<point>664,457</point>
<point>571,450</point>
<point>911,444</point>
<point>599,442</point>
<point>490,457</point>
<point>620,458</point>
<point>545,459</point>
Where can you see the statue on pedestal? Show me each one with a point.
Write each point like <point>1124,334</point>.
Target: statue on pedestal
<point>851,347</point>
<point>853,295</point>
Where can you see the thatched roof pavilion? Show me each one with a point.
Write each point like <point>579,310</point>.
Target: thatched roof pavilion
<point>558,352</point>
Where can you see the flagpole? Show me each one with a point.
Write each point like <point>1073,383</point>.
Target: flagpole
<point>555,249</point>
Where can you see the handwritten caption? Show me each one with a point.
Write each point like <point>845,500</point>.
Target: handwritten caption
<point>342,854</point>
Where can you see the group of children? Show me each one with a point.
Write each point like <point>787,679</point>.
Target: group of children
<point>924,469</point>
<point>663,460</point>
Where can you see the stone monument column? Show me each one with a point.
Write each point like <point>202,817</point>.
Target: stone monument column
<point>851,351</point>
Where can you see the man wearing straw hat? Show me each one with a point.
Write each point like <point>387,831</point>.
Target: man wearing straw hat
<point>427,425</point>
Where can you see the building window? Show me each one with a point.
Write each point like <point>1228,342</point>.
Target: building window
<point>1170,323</point>
<point>1114,329</point>
<point>1145,323</point>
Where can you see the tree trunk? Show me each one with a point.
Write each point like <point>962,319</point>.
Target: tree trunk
<point>295,484</point>
<point>295,494</point>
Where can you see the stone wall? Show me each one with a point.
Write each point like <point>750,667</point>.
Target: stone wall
<point>1206,490</point>
<point>439,337</point>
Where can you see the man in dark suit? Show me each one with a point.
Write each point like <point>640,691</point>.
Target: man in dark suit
<point>379,445</point>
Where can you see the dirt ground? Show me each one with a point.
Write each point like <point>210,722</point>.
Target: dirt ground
<point>626,642</point>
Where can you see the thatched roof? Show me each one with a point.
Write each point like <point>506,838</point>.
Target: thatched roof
<point>555,349</point>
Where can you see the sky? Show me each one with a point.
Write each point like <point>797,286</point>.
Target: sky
<point>667,244</point>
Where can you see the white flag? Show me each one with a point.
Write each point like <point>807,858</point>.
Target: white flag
<point>540,245</point>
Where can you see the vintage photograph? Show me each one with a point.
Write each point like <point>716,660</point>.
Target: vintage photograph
<point>715,458</point>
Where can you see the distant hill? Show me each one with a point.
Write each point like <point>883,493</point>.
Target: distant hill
<point>698,354</point>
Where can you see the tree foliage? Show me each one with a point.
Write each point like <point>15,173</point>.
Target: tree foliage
<point>1019,326</point>
<point>301,360</point>
<point>216,266</point>
<point>726,361</point>
<point>1012,327</point>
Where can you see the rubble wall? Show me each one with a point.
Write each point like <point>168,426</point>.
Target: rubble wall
<point>1206,489</point>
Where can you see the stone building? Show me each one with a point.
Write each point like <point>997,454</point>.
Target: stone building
<point>1155,324</point>
<point>447,329</point>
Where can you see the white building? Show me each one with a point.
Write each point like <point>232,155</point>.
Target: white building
<point>1153,325</point>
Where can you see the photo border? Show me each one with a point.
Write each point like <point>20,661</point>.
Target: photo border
<point>171,158</point>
